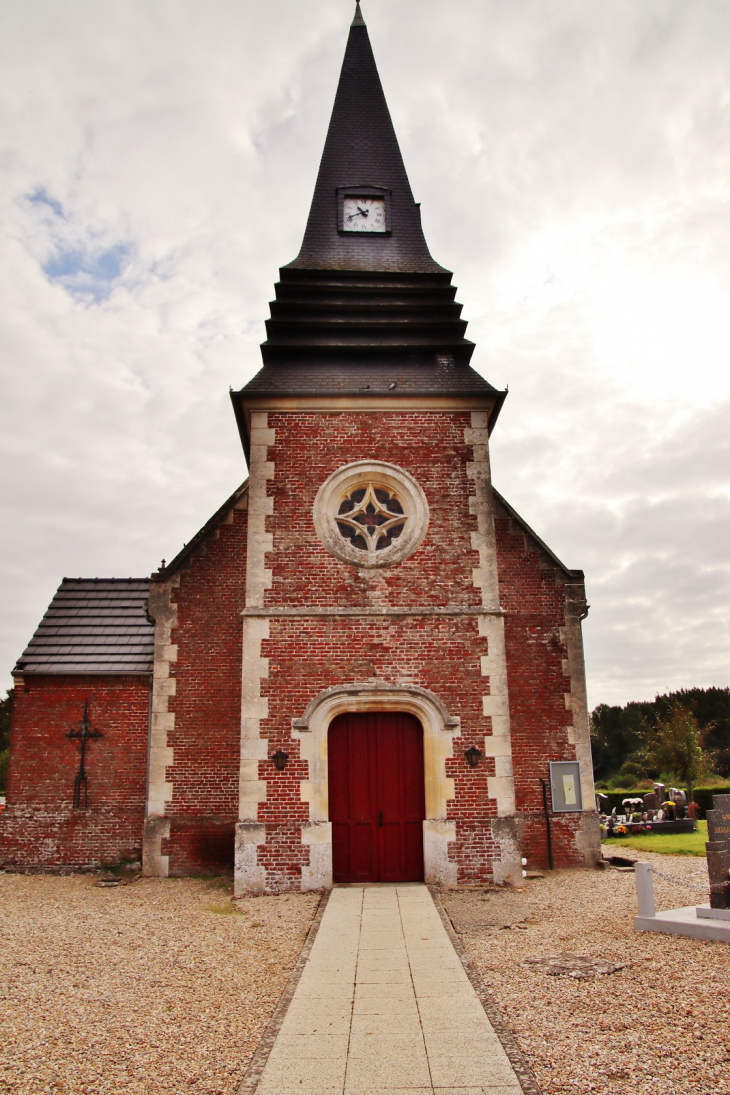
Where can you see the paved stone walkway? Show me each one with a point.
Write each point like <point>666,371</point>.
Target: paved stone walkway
<point>384,1005</point>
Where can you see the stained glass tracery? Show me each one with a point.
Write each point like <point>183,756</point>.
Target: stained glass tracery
<point>370,518</point>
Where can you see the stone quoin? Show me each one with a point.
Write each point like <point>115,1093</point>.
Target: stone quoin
<point>366,580</point>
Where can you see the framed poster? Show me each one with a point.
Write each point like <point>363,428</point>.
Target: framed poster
<point>565,788</point>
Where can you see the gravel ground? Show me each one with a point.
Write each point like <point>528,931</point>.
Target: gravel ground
<point>152,987</point>
<point>659,1026</point>
<point>158,987</point>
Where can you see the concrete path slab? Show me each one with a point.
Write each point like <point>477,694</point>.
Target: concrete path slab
<point>685,921</point>
<point>385,1005</point>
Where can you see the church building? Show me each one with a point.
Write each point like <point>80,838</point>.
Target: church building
<point>365,666</point>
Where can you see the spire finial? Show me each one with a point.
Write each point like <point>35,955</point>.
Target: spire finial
<point>358,21</point>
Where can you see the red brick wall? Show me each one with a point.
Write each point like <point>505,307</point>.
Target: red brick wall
<point>207,703</point>
<point>532,592</point>
<point>40,827</point>
<point>309,447</point>
<point>308,655</point>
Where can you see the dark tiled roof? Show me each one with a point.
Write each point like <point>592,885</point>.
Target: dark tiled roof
<point>433,375</point>
<point>363,297</point>
<point>331,311</point>
<point>93,625</point>
<point>362,150</point>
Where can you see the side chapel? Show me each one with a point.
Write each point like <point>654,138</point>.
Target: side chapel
<point>362,666</point>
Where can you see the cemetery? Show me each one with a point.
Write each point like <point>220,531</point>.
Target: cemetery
<point>659,811</point>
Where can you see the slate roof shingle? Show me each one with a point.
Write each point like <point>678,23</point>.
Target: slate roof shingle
<point>93,625</point>
<point>362,149</point>
<point>377,377</point>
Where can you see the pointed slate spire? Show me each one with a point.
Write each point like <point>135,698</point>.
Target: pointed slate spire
<point>362,150</point>
<point>362,314</point>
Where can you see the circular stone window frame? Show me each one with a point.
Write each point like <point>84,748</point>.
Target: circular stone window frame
<point>342,483</point>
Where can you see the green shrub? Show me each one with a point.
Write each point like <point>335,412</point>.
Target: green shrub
<point>4,756</point>
<point>703,797</point>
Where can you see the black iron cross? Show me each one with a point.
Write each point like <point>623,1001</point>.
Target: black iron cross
<point>84,733</point>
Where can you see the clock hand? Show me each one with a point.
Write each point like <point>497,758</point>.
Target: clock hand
<point>363,211</point>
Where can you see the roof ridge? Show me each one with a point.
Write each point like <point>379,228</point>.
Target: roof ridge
<point>94,581</point>
<point>540,543</point>
<point>201,535</point>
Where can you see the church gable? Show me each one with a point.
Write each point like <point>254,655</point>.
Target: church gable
<point>518,526</point>
<point>196,602</point>
<point>544,602</point>
<point>211,530</point>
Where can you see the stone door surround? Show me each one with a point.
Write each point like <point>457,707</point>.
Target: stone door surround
<point>439,730</point>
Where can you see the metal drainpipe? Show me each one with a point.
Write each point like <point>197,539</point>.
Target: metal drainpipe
<point>547,823</point>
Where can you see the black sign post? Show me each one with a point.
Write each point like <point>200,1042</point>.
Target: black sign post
<point>547,822</point>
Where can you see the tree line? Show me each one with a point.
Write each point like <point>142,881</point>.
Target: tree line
<point>6,706</point>
<point>682,736</point>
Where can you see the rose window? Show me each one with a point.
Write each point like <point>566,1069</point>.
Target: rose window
<point>370,518</point>
<point>370,514</point>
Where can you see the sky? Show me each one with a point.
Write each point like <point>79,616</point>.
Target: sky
<point>572,158</point>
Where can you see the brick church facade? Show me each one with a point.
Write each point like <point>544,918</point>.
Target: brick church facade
<point>364,663</point>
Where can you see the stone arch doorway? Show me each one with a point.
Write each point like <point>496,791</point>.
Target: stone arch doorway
<point>376,797</point>
<point>438,729</point>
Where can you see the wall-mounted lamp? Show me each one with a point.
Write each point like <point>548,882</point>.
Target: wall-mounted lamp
<point>473,756</point>
<point>280,758</point>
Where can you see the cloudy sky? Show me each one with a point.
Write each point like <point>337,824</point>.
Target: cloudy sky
<point>572,158</point>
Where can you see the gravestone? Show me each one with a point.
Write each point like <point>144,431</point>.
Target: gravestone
<point>679,798</point>
<point>659,791</point>
<point>651,802</point>
<point>718,857</point>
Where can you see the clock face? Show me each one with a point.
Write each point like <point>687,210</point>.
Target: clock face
<point>363,215</point>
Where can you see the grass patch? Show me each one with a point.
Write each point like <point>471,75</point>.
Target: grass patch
<point>224,910</point>
<point>664,843</point>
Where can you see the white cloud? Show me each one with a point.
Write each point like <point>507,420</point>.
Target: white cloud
<point>573,163</point>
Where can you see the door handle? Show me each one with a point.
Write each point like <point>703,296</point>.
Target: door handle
<point>380,818</point>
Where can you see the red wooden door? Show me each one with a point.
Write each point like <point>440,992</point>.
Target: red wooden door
<point>376,797</point>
